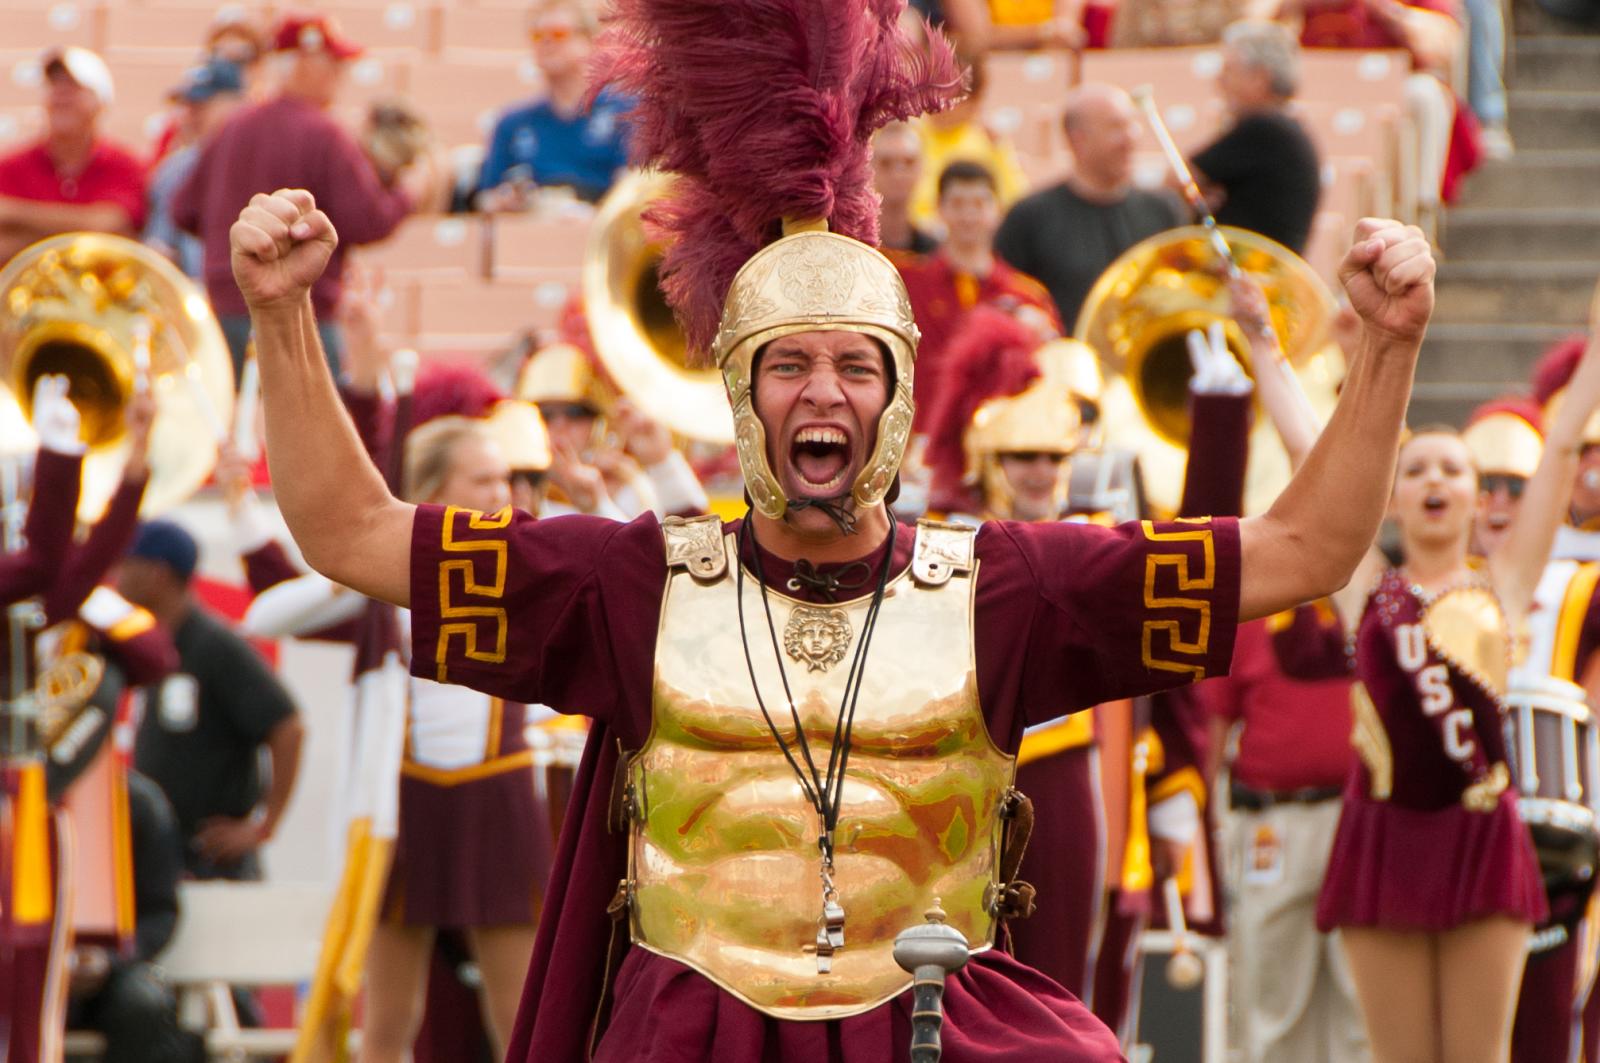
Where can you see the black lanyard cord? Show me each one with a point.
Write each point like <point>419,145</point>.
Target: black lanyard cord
<point>824,793</point>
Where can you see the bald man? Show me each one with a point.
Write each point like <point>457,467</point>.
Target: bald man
<point>1067,234</point>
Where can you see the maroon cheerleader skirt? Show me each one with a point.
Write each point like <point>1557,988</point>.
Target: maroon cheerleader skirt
<point>477,853</point>
<point>1409,869</point>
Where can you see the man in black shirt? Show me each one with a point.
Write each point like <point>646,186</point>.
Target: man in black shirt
<point>204,727</point>
<point>1263,173</point>
<point>1066,235</point>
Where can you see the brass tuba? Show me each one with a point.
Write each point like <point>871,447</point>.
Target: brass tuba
<point>633,329</point>
<point>1137,318</point>
<point>104,310</point>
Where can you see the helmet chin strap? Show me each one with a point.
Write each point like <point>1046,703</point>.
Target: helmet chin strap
<point>836,509</point>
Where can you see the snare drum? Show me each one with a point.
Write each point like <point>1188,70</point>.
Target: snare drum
<point>1554,748</point>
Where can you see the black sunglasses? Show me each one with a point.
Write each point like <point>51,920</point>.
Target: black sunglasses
<point>1491,482</point>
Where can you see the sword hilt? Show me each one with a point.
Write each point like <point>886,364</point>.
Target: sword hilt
<point>930,951</point>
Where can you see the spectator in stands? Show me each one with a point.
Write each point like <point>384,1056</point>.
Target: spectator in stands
<point>896,170</point>
<point>556,141</point>
<point>1171,23</point>
<point>237,40</point>
<point>1429,31</point>
<point>980,26</point>
<point>123,998</point>
<point>204,728</point>
<point>962,133</point>
<point>291,141</point>
<point>207,98</point>
<point>1066,235</point>
<point>1486,86</point>
<point>964,273</point>
<point>1262,174</point>
<point>73,178</point>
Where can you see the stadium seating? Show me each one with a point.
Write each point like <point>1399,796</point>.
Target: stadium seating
<point>473,283</point>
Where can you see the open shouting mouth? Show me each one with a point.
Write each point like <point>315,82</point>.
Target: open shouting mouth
<point>820,456</point>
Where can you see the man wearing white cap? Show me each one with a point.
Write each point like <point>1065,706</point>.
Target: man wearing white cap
<point>72,178</point>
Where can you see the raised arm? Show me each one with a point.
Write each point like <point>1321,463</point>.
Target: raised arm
<point>1311,540</point>
<point>1517,565</point>
<point>340,512</point>
<point>1276,384</point>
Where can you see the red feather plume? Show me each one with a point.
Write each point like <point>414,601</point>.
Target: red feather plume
<point>443,390</point>
<point>1556,366</point>
<point>765,110</point>
<point>989,356</point>
<point>1515,405</point>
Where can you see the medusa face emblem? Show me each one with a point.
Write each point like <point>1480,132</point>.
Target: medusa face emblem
<point>817,637</point>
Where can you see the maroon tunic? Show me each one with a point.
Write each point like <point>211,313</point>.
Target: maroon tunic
<point>1420,860</point>
<point>564,611</point>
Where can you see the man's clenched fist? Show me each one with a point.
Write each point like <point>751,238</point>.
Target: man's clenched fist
<point>1388,275</point>
<point>281,245</point>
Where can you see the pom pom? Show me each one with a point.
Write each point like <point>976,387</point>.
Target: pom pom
<point>765,110</point>
<point>989,356</point>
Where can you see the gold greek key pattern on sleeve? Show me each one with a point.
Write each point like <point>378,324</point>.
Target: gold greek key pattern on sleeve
<point>1163,645</point>
<point>460,616</point>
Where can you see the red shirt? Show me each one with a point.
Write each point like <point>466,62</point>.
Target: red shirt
<point>1295,734</point>
<point>113,176</point>
<point>1352,25</point>
<point>941,295</point>
<point>284,143</point>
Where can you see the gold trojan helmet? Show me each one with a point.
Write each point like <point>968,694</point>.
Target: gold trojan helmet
<point>1075,366</point>
<point>521,435</point>
<point>561,372</point>
<point>1041,419</point>
<point>813,281</point>
<point>105,311</point>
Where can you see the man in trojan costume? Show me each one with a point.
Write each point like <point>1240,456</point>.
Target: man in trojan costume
<point>780,819</point>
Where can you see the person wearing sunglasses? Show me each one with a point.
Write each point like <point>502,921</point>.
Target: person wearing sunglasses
<point>561,140</point>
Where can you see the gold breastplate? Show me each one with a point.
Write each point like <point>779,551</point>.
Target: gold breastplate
<point>723,859</point>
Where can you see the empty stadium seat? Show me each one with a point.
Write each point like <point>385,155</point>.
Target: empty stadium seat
<point>431,246</point>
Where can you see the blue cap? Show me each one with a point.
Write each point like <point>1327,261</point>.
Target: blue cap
<point>164,541</point>
<point>209,80</point>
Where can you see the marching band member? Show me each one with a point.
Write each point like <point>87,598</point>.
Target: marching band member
<point>1433,880</point>
<point>593,429</point>
<point>779,818</point>
<point>1506,446</point>
<point>46,537</point>
<point>1001,445</point>
<point>467,765</point>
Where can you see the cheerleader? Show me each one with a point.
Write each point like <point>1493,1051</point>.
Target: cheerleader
<point>1433,882</point>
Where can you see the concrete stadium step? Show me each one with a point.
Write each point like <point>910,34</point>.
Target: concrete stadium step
<point>1562,63</point>
<point>1522,233</point>
<point>1528,293</point>
<point>1456,353</point>
<point>1555,120</point>
<point>1448,404</point>
<point>1536,178</point>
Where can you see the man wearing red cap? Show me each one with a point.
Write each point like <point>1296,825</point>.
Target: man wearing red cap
<point>292,141</point>
<point>73,178</point>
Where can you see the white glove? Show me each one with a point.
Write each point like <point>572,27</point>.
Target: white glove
<point>1176,818</point>
<point>1216,370</point>
<point>55,418</point>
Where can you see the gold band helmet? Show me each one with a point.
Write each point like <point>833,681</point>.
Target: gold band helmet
<point>816,281</point>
